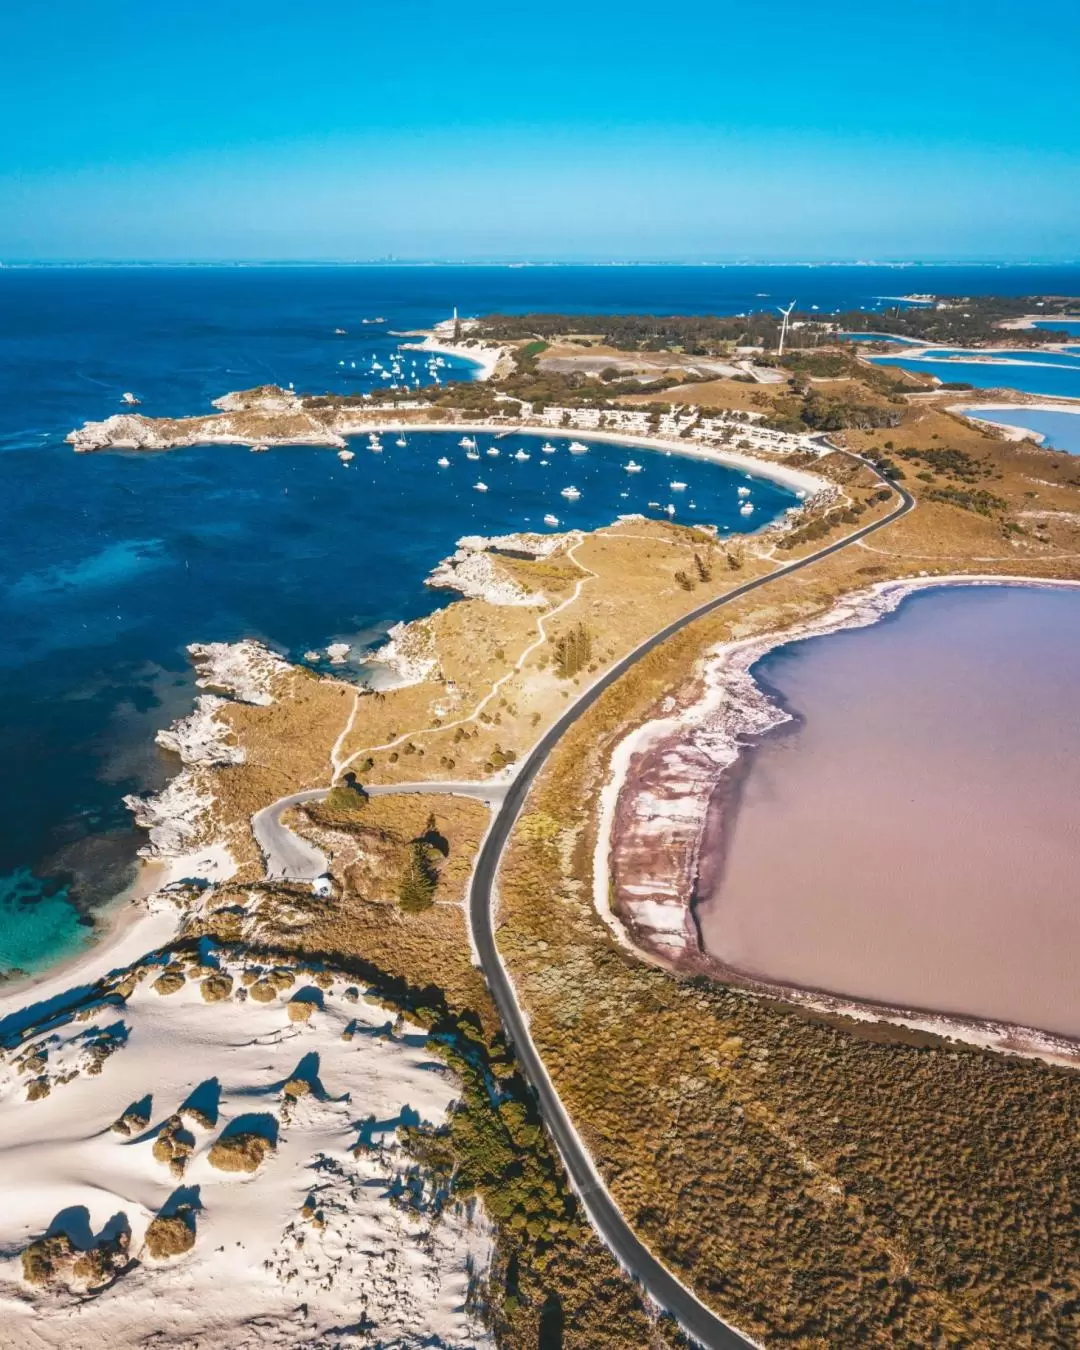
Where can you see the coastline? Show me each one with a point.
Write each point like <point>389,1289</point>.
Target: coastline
<point>1013,431</point>
<point>694,747</point>
<point>485,357</point>
<point>94,437</point>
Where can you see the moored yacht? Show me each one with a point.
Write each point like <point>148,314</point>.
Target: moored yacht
<point>632,466</point>
<point>480,486</point>
<point>346,455</point>
<point>467,443</point>
<point>578,448</point>
<point>747,509</point>
<point>549,519</point>
<point>676,486</point>
<point>443,462</point>
<point>522,455</point>
<point>570,493</point>
<point>547,448</point>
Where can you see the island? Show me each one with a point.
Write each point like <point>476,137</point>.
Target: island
<point>475,879</point>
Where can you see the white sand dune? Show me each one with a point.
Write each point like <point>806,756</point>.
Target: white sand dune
<point>371,1252</point>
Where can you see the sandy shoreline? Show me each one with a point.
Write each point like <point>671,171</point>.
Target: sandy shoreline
<point>1013,431</point>
<point>485,357</point>
<point>657,921</point>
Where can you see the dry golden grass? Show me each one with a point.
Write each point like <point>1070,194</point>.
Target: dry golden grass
<point>816,1187</point>
<point>718,395</point>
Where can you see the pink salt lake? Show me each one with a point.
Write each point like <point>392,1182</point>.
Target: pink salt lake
<point>913,838</point>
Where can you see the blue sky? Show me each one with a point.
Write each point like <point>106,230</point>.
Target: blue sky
<point>137,129</point>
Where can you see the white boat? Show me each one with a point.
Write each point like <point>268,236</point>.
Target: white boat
<point>577,448</point>
<point>480,487</point>
<point>259,448</point>
<point>747,509</point>
<point>401,441</point>
<point>493,451</point>
<point>374,441</point>
<point>632,467</point>
<point>129,400</point>
<point>570,493</point>
<point>692,505</point>
<point>744,492</point>
<point>467,443</point>
<point>522,455</point>
<point>676,486</point>
<point>346,455</point>
<point>547,448</point>
<point>339,332</point>
<point>472,454</point>
<point>443,463</point>
<point>654,506</point>
<point>549,519</point>
<point>669,509</point>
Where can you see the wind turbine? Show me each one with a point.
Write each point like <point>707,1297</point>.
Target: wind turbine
<point>783,327</point>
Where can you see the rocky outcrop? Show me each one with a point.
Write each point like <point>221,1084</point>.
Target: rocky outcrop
<point>474,568</point>
<point>246,670</point>
<point>268,398</point>
<point>410,652</point>
<point>267,416</point>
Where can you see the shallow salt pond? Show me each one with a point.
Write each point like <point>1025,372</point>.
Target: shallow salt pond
<point>1032,372</point>
<point>1060,429</point>
<point>912,838</point>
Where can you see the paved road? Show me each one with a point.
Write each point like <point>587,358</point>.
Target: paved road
<point>697,1319</point>
<point>290,858</point>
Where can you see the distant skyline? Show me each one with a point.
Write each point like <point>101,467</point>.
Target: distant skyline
<point>942,132</point>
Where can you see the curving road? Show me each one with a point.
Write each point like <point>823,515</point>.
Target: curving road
<point>697,1320</point>
<point>292,858</point>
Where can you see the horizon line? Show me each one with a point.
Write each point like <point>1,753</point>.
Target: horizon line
<point>18,264</point>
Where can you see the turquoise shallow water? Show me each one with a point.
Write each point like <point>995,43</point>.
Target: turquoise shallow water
<point>1061,429</point>
<point>111,564</point>
<point>1032,372</point>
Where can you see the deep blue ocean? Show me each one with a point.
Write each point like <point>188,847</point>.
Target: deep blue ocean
<point>112,563</point>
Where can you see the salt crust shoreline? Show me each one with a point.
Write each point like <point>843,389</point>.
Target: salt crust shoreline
<point>1012,431</point>
<point>654,918</point>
